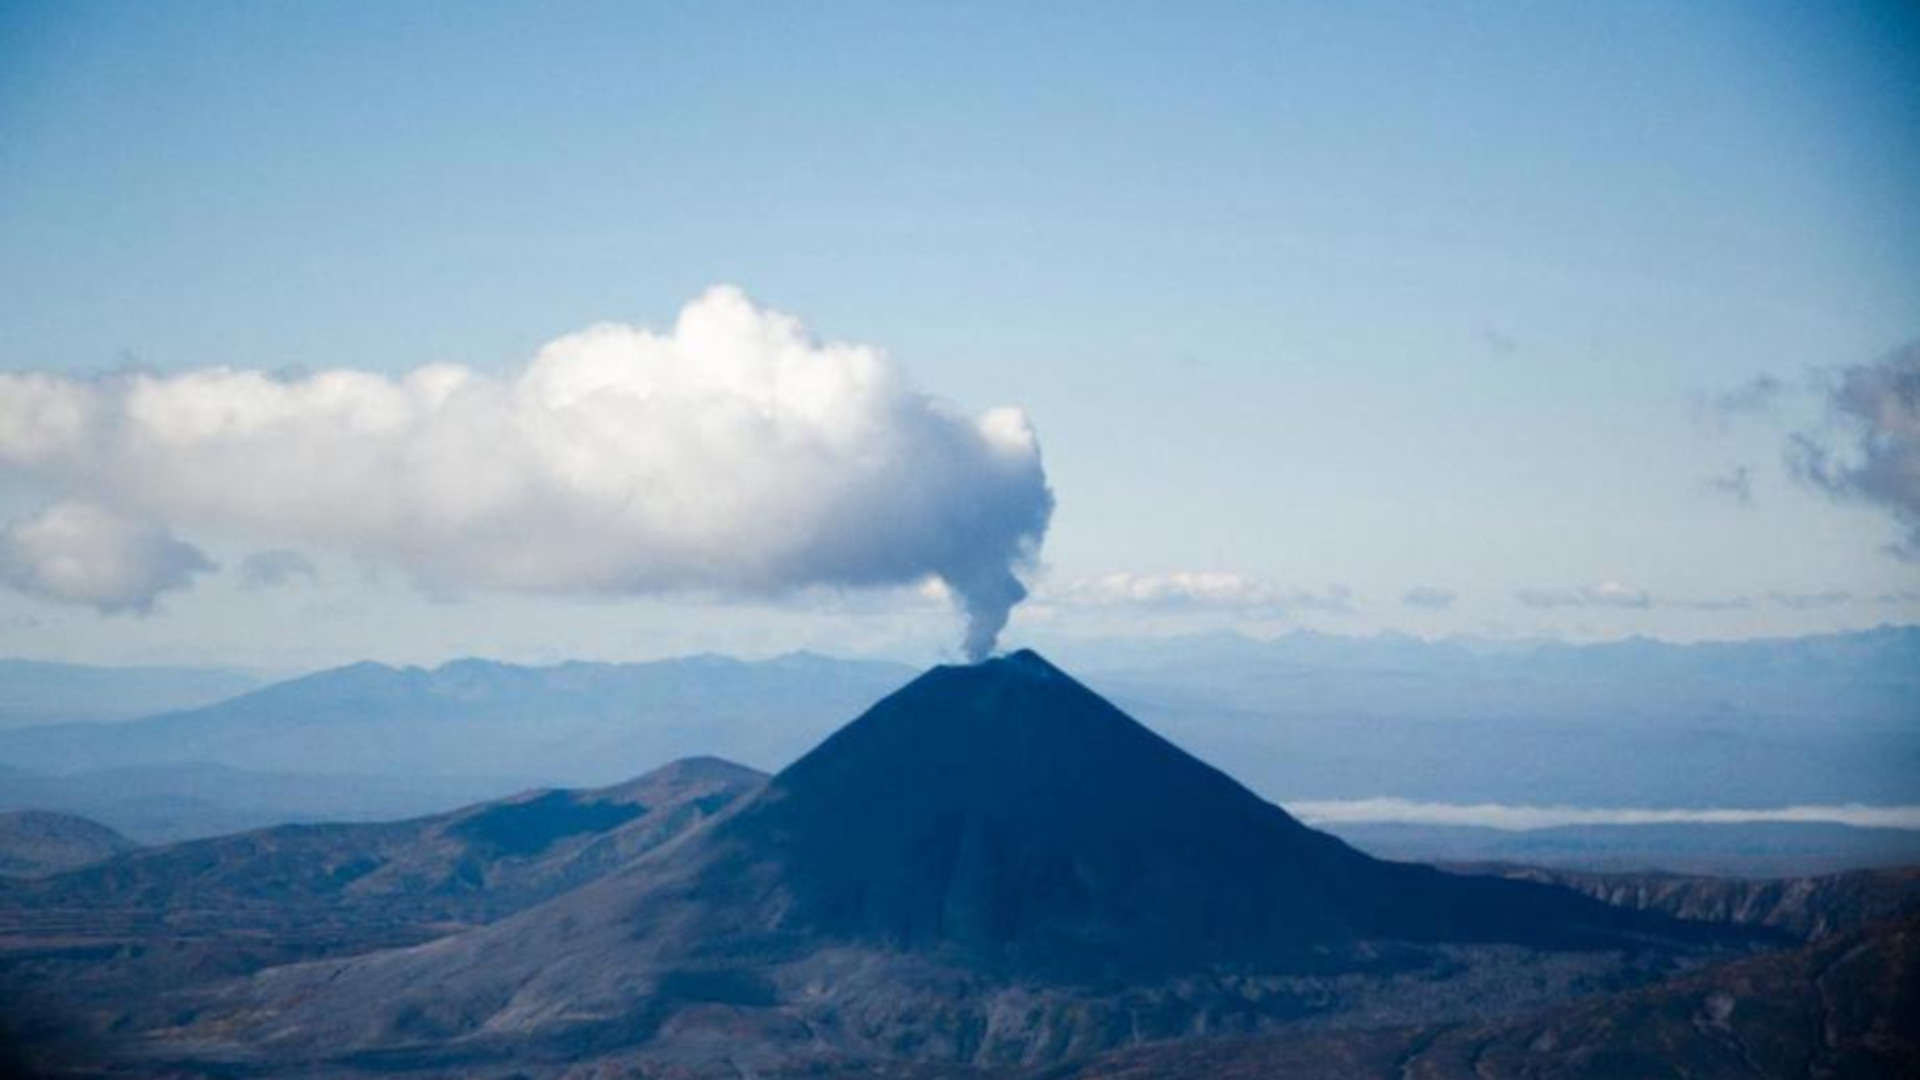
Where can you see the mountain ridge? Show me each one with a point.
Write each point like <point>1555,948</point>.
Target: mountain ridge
<point>471,863</point>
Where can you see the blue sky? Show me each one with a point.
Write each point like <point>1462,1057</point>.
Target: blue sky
<point>1333,301</point>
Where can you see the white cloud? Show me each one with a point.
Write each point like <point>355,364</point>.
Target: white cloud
<point>1811,601</point>
<point>734,454</point>
<point>1196,589</point>
<point>1522,817</point>
<point>83,554</point>
<point>1603,594</point>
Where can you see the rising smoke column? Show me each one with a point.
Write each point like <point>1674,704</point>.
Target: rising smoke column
<point>733,455</point>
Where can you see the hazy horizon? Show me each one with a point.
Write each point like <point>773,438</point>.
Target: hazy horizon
<point>935,649</point>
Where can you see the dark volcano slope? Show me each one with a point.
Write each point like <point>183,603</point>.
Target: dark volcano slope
<point>1005,811</point>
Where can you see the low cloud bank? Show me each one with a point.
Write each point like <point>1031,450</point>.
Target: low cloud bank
<point>1520,818</point>
<point>1610,594</point>
<point>1198,590</point>
<point>734,455</point>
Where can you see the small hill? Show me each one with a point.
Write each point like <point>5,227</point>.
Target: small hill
<point>39,842</point>
<point>468,865</point>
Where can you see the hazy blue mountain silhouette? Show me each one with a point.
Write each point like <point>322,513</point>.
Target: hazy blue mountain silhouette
<point>38,692</point>
<point>566,724</point>
<point>1829,718</point>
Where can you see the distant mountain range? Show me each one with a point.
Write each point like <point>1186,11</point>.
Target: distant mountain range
<point>162,803</point>
<point>573,722</point>
<point>367,742</point>
<point>1828,719</point>
<point>1871,675</point>
<point>1831,718</point>
<point>39,692</point>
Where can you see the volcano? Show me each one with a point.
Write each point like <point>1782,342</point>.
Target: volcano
<point>1005,812</point>
<point>992,863</point>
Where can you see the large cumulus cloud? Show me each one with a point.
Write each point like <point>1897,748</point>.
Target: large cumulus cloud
<point>1869,449</point>
<point>732,454</point>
